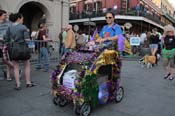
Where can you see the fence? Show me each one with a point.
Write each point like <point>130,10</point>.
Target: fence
<point>35,46</point>
<point>51,46</point>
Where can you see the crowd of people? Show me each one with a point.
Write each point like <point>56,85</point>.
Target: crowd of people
<point>111,34</point>
<point>14,32</point>
<point>153,40</point>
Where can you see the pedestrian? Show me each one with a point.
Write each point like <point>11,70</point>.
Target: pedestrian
<point>111,32</point>
<point>19,33</point>
<point>42,47</point>
<point>43,20</point>
<point>4,24</point>
<point>154,42</point>
<point>63,36</point>
<point>70,42</point>
<point>60,41</point>
<point>168,52</point>
<point>80,41</point>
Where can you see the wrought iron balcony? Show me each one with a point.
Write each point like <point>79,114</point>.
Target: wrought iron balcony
<point>100,13</point>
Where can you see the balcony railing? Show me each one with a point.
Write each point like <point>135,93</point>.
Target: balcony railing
<point>74,16</point>
<point>169,17</point>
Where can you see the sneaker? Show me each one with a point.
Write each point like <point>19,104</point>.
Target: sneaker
<point>166,76</point>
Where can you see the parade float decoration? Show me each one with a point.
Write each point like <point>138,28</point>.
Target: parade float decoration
<point>87,78</point>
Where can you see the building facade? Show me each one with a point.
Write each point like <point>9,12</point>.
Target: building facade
<point>56,12</point>
<point>168,11</point>
<point>142,14</point>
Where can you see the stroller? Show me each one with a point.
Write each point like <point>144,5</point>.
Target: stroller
<point>87,79</point>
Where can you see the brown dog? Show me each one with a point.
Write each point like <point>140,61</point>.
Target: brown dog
<point>147,60</point>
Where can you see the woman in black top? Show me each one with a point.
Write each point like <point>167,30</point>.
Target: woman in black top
<point>168,52</point>
<point>154,41</point>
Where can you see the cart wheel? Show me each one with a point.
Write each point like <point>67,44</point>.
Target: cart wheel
<point>62,102</point>
<point>85,109</point>
<point>77,109</point>
<point>56,100</point>
<point>119,94</point>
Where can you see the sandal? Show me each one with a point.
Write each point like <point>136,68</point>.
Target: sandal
<point>17,88</point>
<point>30,85</point>
<point>171,78</point>
<point>166,76</point>
<point>9,79</point>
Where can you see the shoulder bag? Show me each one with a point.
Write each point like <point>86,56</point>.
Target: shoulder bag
<point>19,51</point>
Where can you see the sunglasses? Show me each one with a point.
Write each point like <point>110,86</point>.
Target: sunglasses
<point>108,17</point>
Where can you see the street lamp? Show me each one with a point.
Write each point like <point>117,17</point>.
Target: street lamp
<point>104,10</point>
<point>89,25</point>
<point>62,5</point>
<point>115,9</point>
<point>61,14</point>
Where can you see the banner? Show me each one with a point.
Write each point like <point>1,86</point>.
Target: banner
<point>134,41</point>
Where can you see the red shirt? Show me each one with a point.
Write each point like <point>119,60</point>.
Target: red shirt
<point>40,37</point>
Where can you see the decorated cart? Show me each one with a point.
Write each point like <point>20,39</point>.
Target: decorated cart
<point>87,79</point>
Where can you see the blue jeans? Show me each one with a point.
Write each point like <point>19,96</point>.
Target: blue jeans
<point>66,50</point>
<point>62,50</point>
<point>43,53</point>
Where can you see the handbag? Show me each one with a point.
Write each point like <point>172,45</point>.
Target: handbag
<point>19,51</point>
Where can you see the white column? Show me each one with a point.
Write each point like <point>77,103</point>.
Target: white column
<point>57,20</point>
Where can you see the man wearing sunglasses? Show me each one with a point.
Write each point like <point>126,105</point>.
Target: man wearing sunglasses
<point>111,32</point>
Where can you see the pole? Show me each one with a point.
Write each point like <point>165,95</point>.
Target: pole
<point>141,26</point>
<point>61,14</point>
<point>89,32</point>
